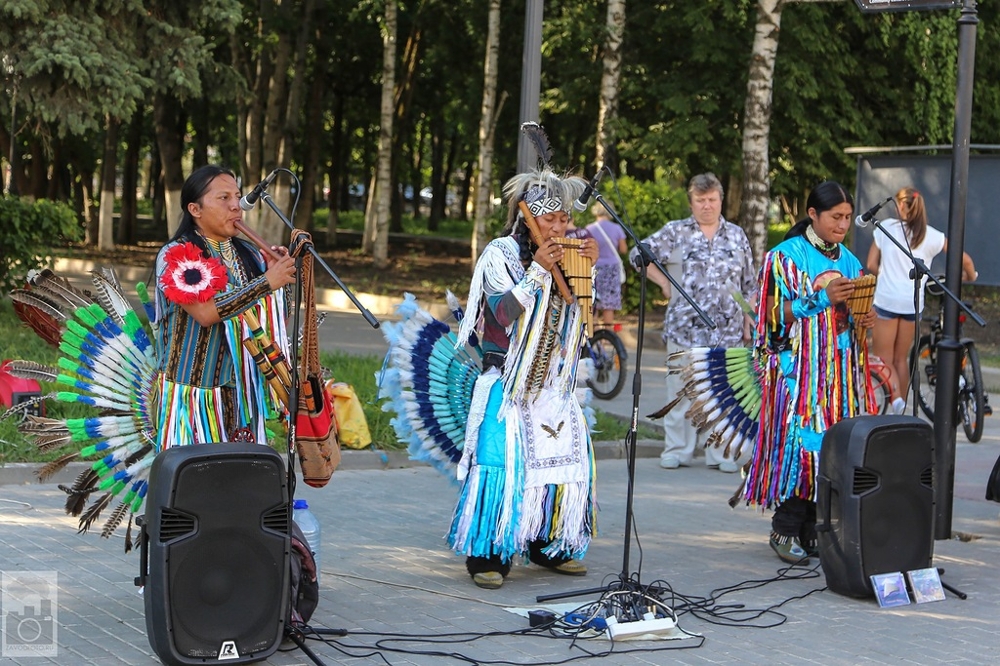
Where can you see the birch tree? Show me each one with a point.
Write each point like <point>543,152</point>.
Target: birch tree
<point>755,198</point>
<point>376,238</point>
<point>487,130</point>
<point>607,114</point>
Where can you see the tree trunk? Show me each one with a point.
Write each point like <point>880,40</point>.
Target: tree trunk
<point>109,172</point>
<point>170,124</point>
<point>489,111</point>
<point>757,125</point>
<point>607,115</point>
<point>310,163</point>
<point>377,229</point>
<point>126,234</point>
<point>336,169</point>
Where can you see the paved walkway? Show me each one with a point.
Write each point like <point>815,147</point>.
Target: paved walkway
<point>387,574</point>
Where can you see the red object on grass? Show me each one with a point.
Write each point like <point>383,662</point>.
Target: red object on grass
<point>14,390</point>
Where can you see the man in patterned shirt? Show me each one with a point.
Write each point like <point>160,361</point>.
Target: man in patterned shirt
<point>715,260</point>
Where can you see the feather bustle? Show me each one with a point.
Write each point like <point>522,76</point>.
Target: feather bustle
<point>49,469</point>
<point>93,512</point>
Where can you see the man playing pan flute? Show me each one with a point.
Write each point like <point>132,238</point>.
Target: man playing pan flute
<point>527,469</point>
<point>813,365</point>
<point>210,388</point>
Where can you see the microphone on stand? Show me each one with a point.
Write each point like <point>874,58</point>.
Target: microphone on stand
<point>584,199</point>
<point>866,217</point>
<point>249,200</point>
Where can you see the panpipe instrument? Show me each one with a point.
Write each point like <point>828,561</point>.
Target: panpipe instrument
<point>861,299</point>
<point>536,235</point>
<point>578,266</point>
<point>578,271</point>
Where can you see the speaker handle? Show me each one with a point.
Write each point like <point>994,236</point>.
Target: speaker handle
<point>140,580</point>
<point>824,491</point>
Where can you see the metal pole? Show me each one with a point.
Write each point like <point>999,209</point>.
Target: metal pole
<point>531,80</point>
<point>949,349</point>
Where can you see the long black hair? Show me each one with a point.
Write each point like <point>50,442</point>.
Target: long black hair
<point>824,196</point>
<point>193,191</point>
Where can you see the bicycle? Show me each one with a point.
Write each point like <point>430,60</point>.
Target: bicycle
<point>880,381</point>
<point>973,405</point>
<point>607,351</point>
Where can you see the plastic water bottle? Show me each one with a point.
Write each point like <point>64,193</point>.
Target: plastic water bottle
<point>307,522</point>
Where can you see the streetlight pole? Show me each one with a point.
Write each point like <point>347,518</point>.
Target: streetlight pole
<point>949,348</point>
<point>531,80</point>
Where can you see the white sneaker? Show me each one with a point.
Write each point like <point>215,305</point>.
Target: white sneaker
<point>669,461</point>
<point>728,466</point>
<point>898,406</point>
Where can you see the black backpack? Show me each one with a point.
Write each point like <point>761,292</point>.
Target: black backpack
<point>304,584</point>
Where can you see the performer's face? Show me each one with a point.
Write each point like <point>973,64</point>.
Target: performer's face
<point>832,225</point>
<point>553,225</point>
<point>218,209</point>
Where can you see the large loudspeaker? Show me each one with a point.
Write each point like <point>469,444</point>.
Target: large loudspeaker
<point>875,500</point>
<point>215,551</point>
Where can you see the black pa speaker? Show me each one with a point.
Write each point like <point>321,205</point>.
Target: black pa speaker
<point>875,499</point>
<point>215,551</point>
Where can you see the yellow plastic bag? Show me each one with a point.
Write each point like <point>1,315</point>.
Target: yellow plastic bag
<point>353,426</point>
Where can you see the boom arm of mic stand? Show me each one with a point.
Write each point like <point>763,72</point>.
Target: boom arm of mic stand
<point>920,268</point>
<point>649,258</point>
<point>365,312</point>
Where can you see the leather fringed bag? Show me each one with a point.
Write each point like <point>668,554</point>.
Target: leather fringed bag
<point>315,424</point>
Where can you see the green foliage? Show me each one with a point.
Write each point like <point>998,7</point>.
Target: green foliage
<point>28,232</point>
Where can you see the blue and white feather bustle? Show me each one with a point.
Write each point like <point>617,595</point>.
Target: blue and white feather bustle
<point>427,381</point>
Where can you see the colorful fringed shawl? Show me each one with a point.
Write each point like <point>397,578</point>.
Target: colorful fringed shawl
<point>814,372</point>
<point>543,488</point>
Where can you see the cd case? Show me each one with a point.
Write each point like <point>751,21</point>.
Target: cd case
<point>926,585</point>
<point>890,589</point>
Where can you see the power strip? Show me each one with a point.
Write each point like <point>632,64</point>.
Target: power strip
<point>648,626</point>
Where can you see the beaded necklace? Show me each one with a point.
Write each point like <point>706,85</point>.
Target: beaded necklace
<point>226,250</point>
<point>830,250</point>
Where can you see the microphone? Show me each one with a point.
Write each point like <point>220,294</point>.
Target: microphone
<point>866,217</point>
<point>249,200</point>
<point>581,203</point>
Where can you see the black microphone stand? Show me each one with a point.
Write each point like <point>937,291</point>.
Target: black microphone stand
<point>296,634</point>
<point>365,312</point>
<point>625,579</point>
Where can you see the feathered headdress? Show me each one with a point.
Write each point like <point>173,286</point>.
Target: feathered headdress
<point>542,189</point>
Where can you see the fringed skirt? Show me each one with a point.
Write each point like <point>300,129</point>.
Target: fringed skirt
<point>502,506</point>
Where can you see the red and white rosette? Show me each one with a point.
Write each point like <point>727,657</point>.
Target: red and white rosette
<point>190,277</point>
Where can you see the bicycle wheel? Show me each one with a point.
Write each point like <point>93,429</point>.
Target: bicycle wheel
<point>971,402</point>
<point>883,392</point>
<point>608,354</point>
<point>925,375</point>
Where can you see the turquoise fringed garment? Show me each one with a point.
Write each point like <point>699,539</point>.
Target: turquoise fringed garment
<point>527,468</point>
<point>814,372</point>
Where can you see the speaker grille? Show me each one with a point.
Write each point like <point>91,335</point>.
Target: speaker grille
<point>865,480</point>
<point>276,519</point>
<point>174,524</point>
